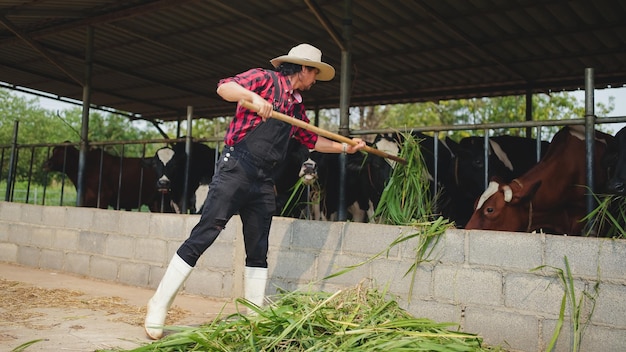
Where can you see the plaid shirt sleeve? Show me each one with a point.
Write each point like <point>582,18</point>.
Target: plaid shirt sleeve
<point>258,81</point>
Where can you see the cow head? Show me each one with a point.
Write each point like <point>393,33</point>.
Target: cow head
<point>504,207</point>
<point>390,144</point>
<point>62,158</point>
<point>308,172</point>
<point>162,162</point>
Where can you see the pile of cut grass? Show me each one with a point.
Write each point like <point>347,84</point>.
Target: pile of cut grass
<point>355,319</point>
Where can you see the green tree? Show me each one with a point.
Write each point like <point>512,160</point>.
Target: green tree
<point>480,111</point>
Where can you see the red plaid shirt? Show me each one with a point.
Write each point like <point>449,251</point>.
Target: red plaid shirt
<point>259,81</point>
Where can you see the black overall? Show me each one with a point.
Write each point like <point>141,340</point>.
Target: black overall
<point>242,183</point>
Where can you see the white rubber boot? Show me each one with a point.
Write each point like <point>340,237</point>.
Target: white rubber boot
<point>175,275</point>
<point>255,280</point>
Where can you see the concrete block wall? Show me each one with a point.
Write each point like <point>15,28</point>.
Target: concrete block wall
<point>481,280</point>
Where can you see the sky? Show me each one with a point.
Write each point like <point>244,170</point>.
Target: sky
<point>601,96</point>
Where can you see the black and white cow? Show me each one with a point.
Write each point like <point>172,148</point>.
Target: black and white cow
<point>437,154</point>
<point>508,157</point>
<point>616,184</point>
<point>366,175</point>
<point>170,164</point>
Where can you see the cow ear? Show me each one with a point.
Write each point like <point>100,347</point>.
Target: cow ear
<point>524,193</point>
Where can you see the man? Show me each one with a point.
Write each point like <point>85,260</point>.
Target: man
<point>242,183</point>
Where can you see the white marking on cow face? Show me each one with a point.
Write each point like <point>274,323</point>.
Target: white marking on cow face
<point>308,172</point>
<point>165,155</point>
<point>501,154</point>
<point>491,190</point>
<point>390,147</point>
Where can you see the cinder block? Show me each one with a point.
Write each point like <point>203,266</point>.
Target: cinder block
<point>135,274</point>
<point>106,221</point>
<point>450,247</point>
<point>605,339</point>
<point>506,249</point>
<point>281,232</point>
<point>150,250</point>
<point>51,259</point>
<point>317,235</point>
<point>548,328</point>
<point>232,232</point>
<point>220,256</point>
<point>468,285</point>
<point>8,252</point>
<point>31,214</point>
<point>29,256</point>
<point>168,226</point>
<point>42,237</point>
<point>612,258</point>
<point>333,264</point>
<point>134,223</point>
<point>54,216</point>
<point>92,242</point>
<point>10,211</point>
<point>295,265</point>
<point>370,240</point>
<point>395,274</point>
<point>103,268</point>
<point>80,218</point>
<point>533,293</point>
<point>610,305</point>
<point>206,283</point>
<point>77,263</point>
<point>20,233</point>
<point>581,252</point>
<point>437,311</point>
<point>65,239</point>
<point>5,229</point>
<point>121,246</point>
<point>501,328</point>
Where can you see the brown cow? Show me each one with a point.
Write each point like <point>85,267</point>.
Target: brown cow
<point>103,191</point>
<point>551,195</point>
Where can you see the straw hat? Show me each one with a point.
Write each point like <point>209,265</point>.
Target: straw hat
<point>307,55</point>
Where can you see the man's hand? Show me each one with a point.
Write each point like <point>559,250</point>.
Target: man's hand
<point>264,106</point>
<point>351,149</point>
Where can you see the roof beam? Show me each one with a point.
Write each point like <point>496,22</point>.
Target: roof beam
<point>106,18</point>
<point>40,49</point>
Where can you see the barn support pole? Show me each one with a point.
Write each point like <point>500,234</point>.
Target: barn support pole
<point>188,141</point>
<point>84,131</point>
<point>590,120</point>
<point>8,196</point>
<point>344,104</point>
<point>529,112</point>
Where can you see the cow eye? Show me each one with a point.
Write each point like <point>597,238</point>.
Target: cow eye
<point>489,210</point>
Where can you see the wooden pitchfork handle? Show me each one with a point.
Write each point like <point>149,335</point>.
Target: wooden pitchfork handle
<point>322,132</point>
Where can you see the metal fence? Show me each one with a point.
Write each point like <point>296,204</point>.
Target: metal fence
<point>23,180</point>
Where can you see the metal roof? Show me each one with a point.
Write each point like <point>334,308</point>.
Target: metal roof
<point>153,58</point>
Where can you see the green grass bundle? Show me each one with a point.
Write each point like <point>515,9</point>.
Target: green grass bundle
<point>356,319</point>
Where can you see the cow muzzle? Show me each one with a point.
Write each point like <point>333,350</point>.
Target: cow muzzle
<point>163,185</point>
<point>308,172</point>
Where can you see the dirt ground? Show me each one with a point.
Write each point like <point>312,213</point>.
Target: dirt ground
<point>71,313</point>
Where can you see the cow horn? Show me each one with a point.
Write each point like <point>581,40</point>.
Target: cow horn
<point>508,193</point>
<point>491,190</point>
